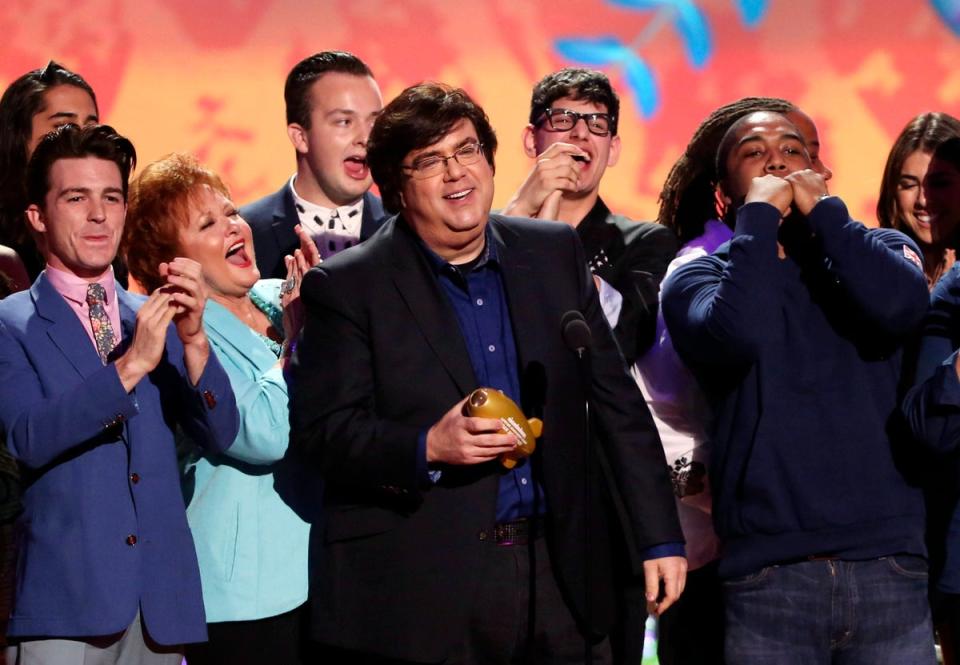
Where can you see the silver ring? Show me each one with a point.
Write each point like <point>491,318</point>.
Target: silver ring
<point>288,286</point>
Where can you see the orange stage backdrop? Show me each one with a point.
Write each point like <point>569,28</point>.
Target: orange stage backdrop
<point>207,77</point>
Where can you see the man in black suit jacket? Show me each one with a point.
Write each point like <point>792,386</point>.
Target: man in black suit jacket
<point>573,136</point>
<point>433,551</point>
<point>332,101</point>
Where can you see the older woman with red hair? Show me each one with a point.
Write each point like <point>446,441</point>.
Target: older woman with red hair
<point>251,545</point>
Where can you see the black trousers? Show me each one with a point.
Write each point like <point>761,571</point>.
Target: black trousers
<point>277,639</point>
<point>691,632</point>
<point>518,617</point>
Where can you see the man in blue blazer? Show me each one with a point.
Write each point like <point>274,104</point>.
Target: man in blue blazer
<point>93,381</point>
<point>332,101</point>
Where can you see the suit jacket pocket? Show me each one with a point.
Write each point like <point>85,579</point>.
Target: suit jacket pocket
<point>348,522</point>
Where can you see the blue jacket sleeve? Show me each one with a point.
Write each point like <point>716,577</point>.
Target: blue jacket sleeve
<point>715,306</point>
<point>264,423</point>
<point>39,427</point>
<point>932,406</point>
<point>880,269</point>
<point>209,414</point>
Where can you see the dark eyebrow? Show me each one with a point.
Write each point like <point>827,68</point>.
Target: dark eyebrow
<point>748,139</point>
<point>74,190</point>
<point>342,111</point>
<point>86,191</point>
<point>437,153</point>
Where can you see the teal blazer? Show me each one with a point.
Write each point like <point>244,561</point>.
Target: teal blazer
<point>252,546</point>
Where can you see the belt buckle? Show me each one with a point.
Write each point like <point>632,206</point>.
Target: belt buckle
<point>512,533</point>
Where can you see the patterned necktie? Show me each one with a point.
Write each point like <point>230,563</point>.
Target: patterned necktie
<point>99,321</point>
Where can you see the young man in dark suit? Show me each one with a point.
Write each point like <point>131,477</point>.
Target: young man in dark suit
<point>434,552</point>
<point>332,101</point>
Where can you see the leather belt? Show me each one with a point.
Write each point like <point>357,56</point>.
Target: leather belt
<point>517,532</point>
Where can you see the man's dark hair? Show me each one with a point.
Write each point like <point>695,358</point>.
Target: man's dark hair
<point>949,152</point>
<point>22,100</point>
<point>73,142</point>
<point>577,83</point>
<point>296,91</point>
<point>688,198</point>
<point>420,116</point>
<point>924,132</point>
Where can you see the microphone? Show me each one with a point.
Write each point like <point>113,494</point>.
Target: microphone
<point>576,333</point>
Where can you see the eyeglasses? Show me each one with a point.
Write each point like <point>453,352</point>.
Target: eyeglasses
<point>427,167</point>
<point>563,120</point>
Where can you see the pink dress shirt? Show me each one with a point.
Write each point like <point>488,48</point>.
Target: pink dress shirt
<point>74,292</point>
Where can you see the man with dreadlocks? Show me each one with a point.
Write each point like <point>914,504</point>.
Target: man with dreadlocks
<point>794,328</point>
<point>692,632</point>
<point>628,259</point>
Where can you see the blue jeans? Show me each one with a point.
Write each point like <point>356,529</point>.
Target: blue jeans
<point>831,612</point>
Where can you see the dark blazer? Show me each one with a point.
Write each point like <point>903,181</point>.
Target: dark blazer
<point>103,532</point>
<point>273,217</point>
<point>632,257</point>
<point>382,359</point>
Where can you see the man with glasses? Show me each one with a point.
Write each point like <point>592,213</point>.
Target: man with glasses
<point>434,550</point>
<point>573,137</point>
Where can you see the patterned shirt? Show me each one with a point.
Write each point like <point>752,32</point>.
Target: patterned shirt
<point>333,229</point>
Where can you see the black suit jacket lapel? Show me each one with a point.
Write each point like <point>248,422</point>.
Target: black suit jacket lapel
<point>428,305</point>
<point>520,283</point>
<point>372,215</point>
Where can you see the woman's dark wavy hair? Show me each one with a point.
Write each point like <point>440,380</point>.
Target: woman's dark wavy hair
<point>924,132</point>
<point>22,100</point>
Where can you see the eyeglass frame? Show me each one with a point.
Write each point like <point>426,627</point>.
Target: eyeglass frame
<point>546,120</point>
<point>417,174</point>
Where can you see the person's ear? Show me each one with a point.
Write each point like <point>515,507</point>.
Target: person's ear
<point>529,139</point>
<point>720,193</point>
<point>36,218</point>
<point>298,137</point>
<point>614,151</point>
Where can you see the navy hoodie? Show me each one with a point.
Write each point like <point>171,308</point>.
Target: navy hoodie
<point>801,360</point>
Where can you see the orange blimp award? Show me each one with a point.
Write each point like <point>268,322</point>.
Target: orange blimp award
<point>491,403</point>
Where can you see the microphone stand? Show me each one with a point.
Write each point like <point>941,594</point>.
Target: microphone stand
<point>583,365</point>
<point>578,338</point>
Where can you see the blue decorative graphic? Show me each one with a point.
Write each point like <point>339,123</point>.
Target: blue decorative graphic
<point>949,11</point>
<point>752,11</point>
<point>598,51</point>
<point>687,20</point>
<point>603,51</point>
<point>643,87</point>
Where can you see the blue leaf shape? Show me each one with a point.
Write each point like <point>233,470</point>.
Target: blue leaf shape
<point>642,4</point>
<point>596,51</point>
<point>643,86</point>
<point>752,11</point>
<point>693,28</point>
<point>949,12</point>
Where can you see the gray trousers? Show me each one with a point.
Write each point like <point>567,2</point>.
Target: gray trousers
<point>131,647</point>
